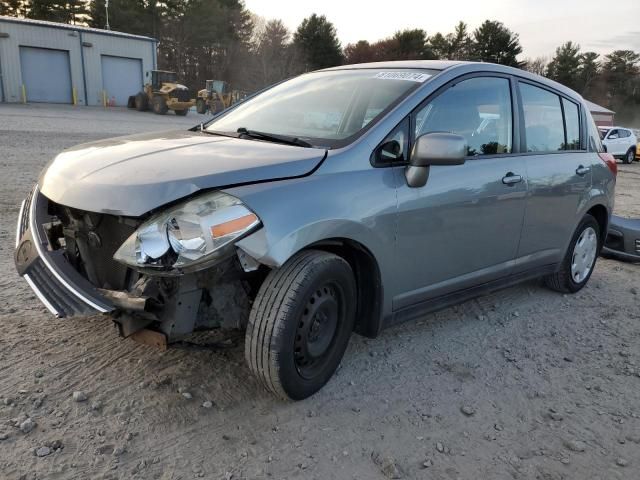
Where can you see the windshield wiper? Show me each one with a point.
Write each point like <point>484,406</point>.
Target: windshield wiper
<point>272,137</point>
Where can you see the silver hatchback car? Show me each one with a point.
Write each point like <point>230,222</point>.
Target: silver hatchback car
<point>342,200</point>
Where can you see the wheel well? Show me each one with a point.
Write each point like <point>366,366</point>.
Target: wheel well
<point>599,212</point>
<point>368,281</point>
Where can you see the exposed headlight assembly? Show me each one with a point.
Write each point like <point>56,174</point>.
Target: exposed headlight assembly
<point>189,236</point>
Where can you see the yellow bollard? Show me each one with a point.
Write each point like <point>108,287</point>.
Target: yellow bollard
<point>75,96</point>
<point>24,94</point>
<point>104,98</point>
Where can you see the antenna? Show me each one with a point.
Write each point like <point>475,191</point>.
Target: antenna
<point>106,9</point>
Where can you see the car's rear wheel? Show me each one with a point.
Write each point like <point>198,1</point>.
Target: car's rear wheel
<point>580,259</point>
<point>182,113</point>
<point>300,324</point>
<point>630,156</point>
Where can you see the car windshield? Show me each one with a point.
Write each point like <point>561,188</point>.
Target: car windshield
<point>327,108</point>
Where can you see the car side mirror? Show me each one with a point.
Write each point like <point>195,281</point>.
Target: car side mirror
<point>613,137</point>
<point>436,148</point>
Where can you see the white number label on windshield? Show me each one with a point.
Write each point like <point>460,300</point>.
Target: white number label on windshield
<point>410,76</point>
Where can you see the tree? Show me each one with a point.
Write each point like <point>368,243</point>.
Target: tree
<point>454,46</point>
<point>274,55</point>
<point>589,71</point>
<point>139,17</point>
<point>621,73</point>
<point>360,52</point>
<point>411,44</point>
<point>536,65</point>
<point>565,65</point>
<point>317,41</point>
<point>12,8</point>
<point>70,11</point>
<point>493,42</point>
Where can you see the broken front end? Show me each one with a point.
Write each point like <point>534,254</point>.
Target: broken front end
<point>164,275</point>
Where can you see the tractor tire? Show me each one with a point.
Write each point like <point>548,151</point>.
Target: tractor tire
<point>201,106</point>
<point>160,105</point>
<point>217,107</point>
<point>182,113</point>
<point>141,102</point>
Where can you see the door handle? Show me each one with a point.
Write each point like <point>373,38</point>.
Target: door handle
<point>511,179</point>
<point>582,171</point>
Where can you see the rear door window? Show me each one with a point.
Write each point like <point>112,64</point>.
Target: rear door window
<point>543,123</point>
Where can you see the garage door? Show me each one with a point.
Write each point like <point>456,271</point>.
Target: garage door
<point>121,77</point>
<point>46,74</point>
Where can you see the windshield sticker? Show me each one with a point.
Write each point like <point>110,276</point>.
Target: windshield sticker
<point>410,76</point>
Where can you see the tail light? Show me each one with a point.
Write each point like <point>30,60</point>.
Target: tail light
<point>610,161</point>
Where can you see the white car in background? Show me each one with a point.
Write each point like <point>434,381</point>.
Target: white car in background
<point>620,142</point>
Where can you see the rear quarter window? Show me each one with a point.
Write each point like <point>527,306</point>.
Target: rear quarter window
<point>572,124</point>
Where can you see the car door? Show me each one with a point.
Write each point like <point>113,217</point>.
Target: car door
<point>558,171</point>
<point>463,226</point>
<point>612,141</point>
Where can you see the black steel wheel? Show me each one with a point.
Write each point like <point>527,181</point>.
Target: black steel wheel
<point>182,113</point>
<point>300,324</point>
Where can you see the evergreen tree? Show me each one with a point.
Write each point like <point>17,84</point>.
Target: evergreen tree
<point>565,65</point>
<point>12,8</point>
<point>493,42</point>
<point>318,43</point>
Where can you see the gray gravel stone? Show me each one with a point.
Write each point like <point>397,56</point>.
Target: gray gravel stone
<point>207,404</point>
<point>621,462</point>
<point>79,396</point>
<point>467,410</point>
<point>575,445</point>
<point>43,451</point>
<point>27,425</point>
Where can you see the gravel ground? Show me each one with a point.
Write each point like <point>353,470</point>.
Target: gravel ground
<point>522,384</point>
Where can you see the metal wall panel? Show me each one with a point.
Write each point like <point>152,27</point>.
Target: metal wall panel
<point>46,75</point>
<point>85,46</point>
<point>121,77</point>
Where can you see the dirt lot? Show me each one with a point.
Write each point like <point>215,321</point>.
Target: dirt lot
<point>522,384</point>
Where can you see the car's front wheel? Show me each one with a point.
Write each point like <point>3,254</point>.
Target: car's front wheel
<point>580,259</point>
<point>300,324</point>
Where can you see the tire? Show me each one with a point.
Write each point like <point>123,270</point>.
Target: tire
<point>160,105</point>
<point>571,280</point>
<point>300,324</point>
<point>217,107</point>
<point>141,102</point>
<point>201,106</point>
<point>630,156</point>
<point>182,113</point>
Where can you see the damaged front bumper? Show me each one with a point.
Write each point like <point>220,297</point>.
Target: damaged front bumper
<point>172,307</point>
<point>49,274</point>
<point>623,239</point>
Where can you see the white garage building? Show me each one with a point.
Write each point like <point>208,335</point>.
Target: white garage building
<point>58,63</point>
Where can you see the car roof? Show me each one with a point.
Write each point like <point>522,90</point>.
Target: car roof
<point>467,67</point>
<point>422,64</point>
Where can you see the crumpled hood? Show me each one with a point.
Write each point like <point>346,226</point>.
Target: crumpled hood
<point>135,174</point>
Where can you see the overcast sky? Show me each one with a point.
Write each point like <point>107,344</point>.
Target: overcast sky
<point>601,26</point>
